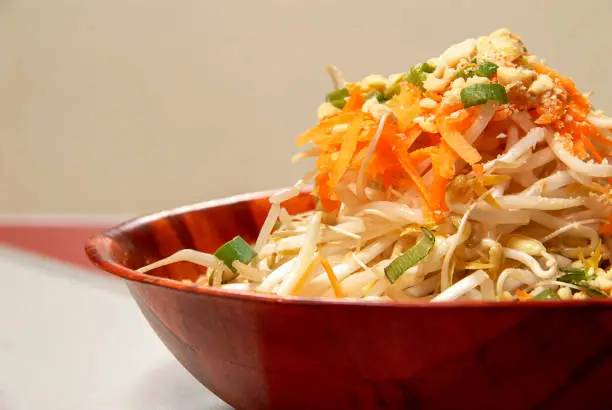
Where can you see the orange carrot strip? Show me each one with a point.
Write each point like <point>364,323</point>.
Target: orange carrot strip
<point>355,100</point>
<point>447,109</point>
<point>591,148</point>
<point>594,133</point>
<point>405,105</point>
<point>579,148</point>
<point>479,172</point>
<point>438,191</point>
<point>346,150</point>
<point>411,134</point>
<point>302,281</point>
<point>325,193</point>
<point>447,161</point>
<point>463,148</point>
<point>324,127</point>
<point>413,173</point>
<point>422,153</point>
<point>522,295</point>
<point>333,280</point>
<point>501,114</point>
<point>433,96</point>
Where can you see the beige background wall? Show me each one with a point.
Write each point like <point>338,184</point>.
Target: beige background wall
<point>121,106</point>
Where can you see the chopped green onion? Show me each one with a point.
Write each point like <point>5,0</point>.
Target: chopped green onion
<point>486,69</point>
<point>339,94</point>
<point>428,68</point>
<point>277,226</point>
<point>575,277</point>
<point>227,277</point>
<point>465,73</point>
<point>593,292</point>
<point>392,91</point>
<point>478,94</point>
<point>579,277</point>
<point>418,74</point>
<point>416,77</point>
<point>380,97</point>
<point>575,271</point>
<point>235,250</point>
<point>338,103</point>
<point>411,257</point>
<point>546,294</point>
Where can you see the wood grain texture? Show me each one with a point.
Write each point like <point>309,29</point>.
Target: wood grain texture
<point>263,352</point>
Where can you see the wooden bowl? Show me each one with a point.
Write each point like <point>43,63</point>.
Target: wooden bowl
<point>264,352</point>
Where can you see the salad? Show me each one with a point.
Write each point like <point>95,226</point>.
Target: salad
<point>481,174</point>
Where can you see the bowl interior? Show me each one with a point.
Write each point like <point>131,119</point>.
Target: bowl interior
<point>202,227</point>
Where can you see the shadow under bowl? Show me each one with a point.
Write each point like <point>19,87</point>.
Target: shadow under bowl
<point>264,352</point>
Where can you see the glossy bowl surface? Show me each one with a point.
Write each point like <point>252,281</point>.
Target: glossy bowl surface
<point>264,352</point>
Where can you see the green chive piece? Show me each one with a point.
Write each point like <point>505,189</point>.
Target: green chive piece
<point>593,292</point>
<point>338,103</point>
<point>574,271</point>
<point>465,73</point>
<point>579,277</point>
<point>235,250</point>
<point>486,69</point>
<point>546,294</point>
<point>411,257</point>
<point>478,94</point>
<point>416,77</point>
<point>418,74</point>
<point>392,91</point>
<point>339,94</point>
<point>227,277</point>
<point>428,68</point>
<point>380,97</point>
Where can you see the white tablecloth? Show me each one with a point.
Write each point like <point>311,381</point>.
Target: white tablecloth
<point>74,340</point>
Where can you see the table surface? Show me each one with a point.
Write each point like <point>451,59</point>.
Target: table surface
<point>73,339</point>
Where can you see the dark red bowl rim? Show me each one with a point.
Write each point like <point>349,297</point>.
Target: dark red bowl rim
<point>94,244</point>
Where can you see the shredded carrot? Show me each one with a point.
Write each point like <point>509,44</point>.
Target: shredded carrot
<point>422,153</point>
<point>447,159</point>
<point>304,278</point>
<point>447,109</point>
<point>325,193</point>
<point>324,127</point>
<point>580,149</point>
<point>460,120</point>
<point>606,229</point>
<point>405,105</point>
<point>346,150</point>
<point>436,97</point>
<point>438,191</point>
<point>593,132</point>
<point>458,143</point>
<point>501,114</point>
<point>412,134</point>
<point>522,295</point>
<point>567,84</point>
<point>333,280</point>
<point>402,153</point>
<point>413,173</point>
<point>479,172</point>
<point>355,100</point>
<point>591,149</point>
